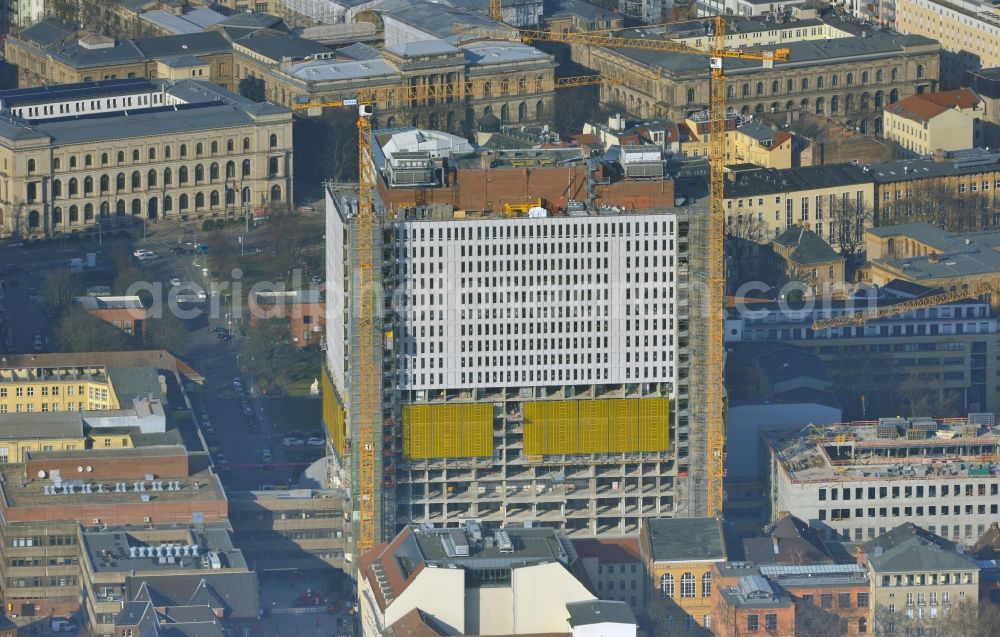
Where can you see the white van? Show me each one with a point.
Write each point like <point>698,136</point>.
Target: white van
<point>60,625</point>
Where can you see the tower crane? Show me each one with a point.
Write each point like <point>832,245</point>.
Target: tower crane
<point>369,410</point>
<point>858,318</point>
<point>717,53</point>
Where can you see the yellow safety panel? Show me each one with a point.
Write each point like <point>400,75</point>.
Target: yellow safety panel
<point>334,417</point>
<point>448,431</point>
<point>565,427</point>
<point>594,426</point>
<point>654,424</point>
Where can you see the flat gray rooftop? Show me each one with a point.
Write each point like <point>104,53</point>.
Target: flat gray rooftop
<point>165,549</point>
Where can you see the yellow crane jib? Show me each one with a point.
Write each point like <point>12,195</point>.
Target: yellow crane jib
<point>859,318</point>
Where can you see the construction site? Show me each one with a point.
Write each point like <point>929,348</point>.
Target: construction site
<point>856,480</point>
<point>514,356</point>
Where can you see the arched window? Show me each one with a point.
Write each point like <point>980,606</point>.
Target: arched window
<point>213,199</point>
<point>88,185</point>
<point>136,180</point>
<point>746,89</point>
<point>31,165</point>
<point>88,160</point>
<point>136,207</point>
<point>819,105</point>
<point>230,146</point>
<point>74,213</point>
<point>805,84</point>
<point>72,162</point>
<point>34,219</point>
<point>834,104</point>
<point>120,207</point>
<point>151,154</point>
<point>168,203</point>
<point>272,141</point>
<point>88,211</point>
<point>864,77</point>
<point>135,155</point>
<point>182,175</point>
<point>850,79</point>
<point>819,82</point>
<point>893,96</point>
<point>706,585</point>
<point>246,143</point>
<point>246,167</point>
<point>199,148</point>
<point>105,209</point>
<point>789,85</point>
<point>863,625</point>
<point>56,188</point>
<point>667,585</point>
<point>56,164</point>
<point>56,215</point>
<point>230,169</point>
<point>774,87</point>
<point>730,91</point>
<point>105,183</point>
<point>522,112</point>
<point>104,159</point>
<point>121,157</point>
<point>504,113</point>
<point>834,80</point>
<point>920,70</point>
<point>879,76</point>
<point>213,171</point>
<point>168,177</point>
<point>183,202</point>
<point>690,95</point>
<point>215,148</point>
<point>184,150</point>
<point>151,178</point>
<point>166,152</point>
<point>230,196</point>
<point>275,193</point>
<point>73,187</point>
<point>687,585</point>
<point>199,201</point>
<point>540,110</point>
<point>199,173</point>
<point>760,88</point>
<point>894,74</point>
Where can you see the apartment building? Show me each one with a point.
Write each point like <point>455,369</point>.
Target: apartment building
<point>956,190</point>
<point>916,578</point>
<point>43,568</point>
<point>107,153</point>
<point>771,597</point>
<point>941,355</point>
<point>680,555</point>
<point>616,569</point>
<point>513,581</point>
<point>968,31</point>
<point>848,78</point>
<point>932,122</point>
<point>109,557</point>
<point>126,313</point>
<point>835,201</point>
<point>853,482</point>
<point>294,530</point>
<point>575,418</point>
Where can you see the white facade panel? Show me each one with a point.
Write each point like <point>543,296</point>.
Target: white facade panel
<point>335,295</point>
<point>533,302</point>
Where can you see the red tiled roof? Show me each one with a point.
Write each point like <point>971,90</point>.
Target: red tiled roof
<point>384,555</point>
<point>780,138</point>
<point>611,551</point>
<point>927,106</point>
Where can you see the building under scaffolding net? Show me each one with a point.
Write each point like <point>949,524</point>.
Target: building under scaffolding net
<point>534,365</point>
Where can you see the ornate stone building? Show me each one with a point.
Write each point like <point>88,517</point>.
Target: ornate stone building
<point>77,156</point>
<point>849,77</point>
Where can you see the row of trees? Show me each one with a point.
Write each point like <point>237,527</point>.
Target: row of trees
<point>941,204</point>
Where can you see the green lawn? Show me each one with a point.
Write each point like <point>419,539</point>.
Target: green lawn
<point>290,413</point>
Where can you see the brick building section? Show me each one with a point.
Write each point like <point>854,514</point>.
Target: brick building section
<point>733,615</point>
<point>305,311</point>
<point>122,466</point>
<point>490,187</point>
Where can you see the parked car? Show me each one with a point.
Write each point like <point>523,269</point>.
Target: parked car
<point>209,429</point>
<point>174,280</point>
<point>315,442</point>
<point>140,252</point>
<point>265,455</point>
<point>292,442</point>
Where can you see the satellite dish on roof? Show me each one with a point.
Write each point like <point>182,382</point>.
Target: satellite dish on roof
<point>41,473</point>
<point>89,468</point>
<point>79,468</point>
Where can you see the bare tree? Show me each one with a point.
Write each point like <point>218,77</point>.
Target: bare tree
<point>813,621</point>
<point>849,217</point>
<point>744,234</point>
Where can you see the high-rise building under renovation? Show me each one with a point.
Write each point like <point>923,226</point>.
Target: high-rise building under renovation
<point>533,362</point>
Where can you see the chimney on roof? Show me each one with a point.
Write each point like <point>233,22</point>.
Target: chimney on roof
<point>932,257</point>
<point>939,154</point>
<point>774,545</point>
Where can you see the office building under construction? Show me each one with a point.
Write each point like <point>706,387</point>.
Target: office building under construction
<point>533,362</point>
